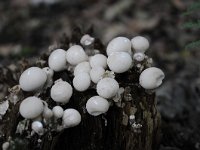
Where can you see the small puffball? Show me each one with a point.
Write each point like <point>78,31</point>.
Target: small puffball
<point>47,113</point>
<point>139,56</point>
<point>151,78</point>
<point>140,44</point>
<point>61,91</point>
<point>57,60</point>
<point>107,87</point>
<point>82,67</point>
<point>37,127</point>
<point>119,62</point>
<point>96,74</point>
<point>119,44</point>
<point>81,82</point>
<point>32,79</point>
<point>5,146</point>
<point>71,118</point>
<point>86,40</point>
<point>98,60</point>
<point>58,111</point>
<point>31,107</point>
<point>76,55</point>
<point>97,105</point>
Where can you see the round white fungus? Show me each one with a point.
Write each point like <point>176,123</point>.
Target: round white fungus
<point>81,82</point>
<point>140,44</point>
<point>58,111</point>
<point>82,67</point>
<point>96,74</point>
<point>98,60</point>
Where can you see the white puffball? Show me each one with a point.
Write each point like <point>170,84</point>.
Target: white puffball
<point>139,56</point>
<point>58,111</point>
<point>31,107</point>
<point>140,44</point>
<point>82,67</point>
<point>57,60</point>
<point>71,118</point>
<point>47,113</point>
<point>86,40</point>
<point>96,74</point>
<point>119,62</point>
<point>151,78</point>
<point>107,87</point>
<point>61,91</point>
<point>37,127</point>
<point>81,82</point>
<point>32,79</point>
<point>119,44</point>
<point>76,55</point>
<point>97,105</point>
<point>98,60</point>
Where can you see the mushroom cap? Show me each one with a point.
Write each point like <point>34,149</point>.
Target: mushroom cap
<point>32,79</point>
<point>71,118</point>
<point>96,74</point>
<point>98,60</point>
<point>58,111</point>
<point>75,55</point>
<point>82,67</point>
<point>119,44</point>
<point>119,62</point>
<point>140,44</point>
<point>107,87</point>
<point>61,92</point>
<point>97,105</point>
<point>57,60</point>
<point>31,107</point>
<point>151,78</point>
<point>81,82</point>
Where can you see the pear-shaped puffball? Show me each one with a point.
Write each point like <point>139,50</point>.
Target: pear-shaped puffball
<point>98,60</point>
<point>61,91</point>
<point>119,44</point>
<point>140,44</point>
<point>151,78</point>
<point>76,55</point>
<point>71,118</point>
<point>97,105</point>
<point>107,87</point>
<point>32,79</point>
<point>31,107</point>
<point>96,74</point>
<point>57,60</point>
<point>37,127</point>
<point>58,111</point>
<point>82,67</point>
<point>119,62</point>
<point>139,57</point>
<point>81,82</point>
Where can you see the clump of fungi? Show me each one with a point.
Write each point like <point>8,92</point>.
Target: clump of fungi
<point>89,69</point>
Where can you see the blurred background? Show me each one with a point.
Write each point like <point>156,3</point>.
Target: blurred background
<point>28,27</point>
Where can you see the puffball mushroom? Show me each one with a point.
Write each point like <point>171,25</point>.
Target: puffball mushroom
<point>57,60</point>
<point>58,111</point>
<point>86,40</point>
<point>96,74</point>
<point>139,56</point>
<point>82,67</point>
<point>107,87</point>
<point>76,55</point>
<point>119,62</point>
<point>81,82</point>
<point>140,44</point>
<point>61,91</point>
<point>37,127</point>
<point>98,60</point>
<point>31,107</point>
<point>119,44</point>
<point>151,78</point>
<point>32,79</point>
<point>71,118</point>
<point>97,105</point>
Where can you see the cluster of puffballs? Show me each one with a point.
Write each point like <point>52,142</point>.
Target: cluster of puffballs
<point>122,53</point>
